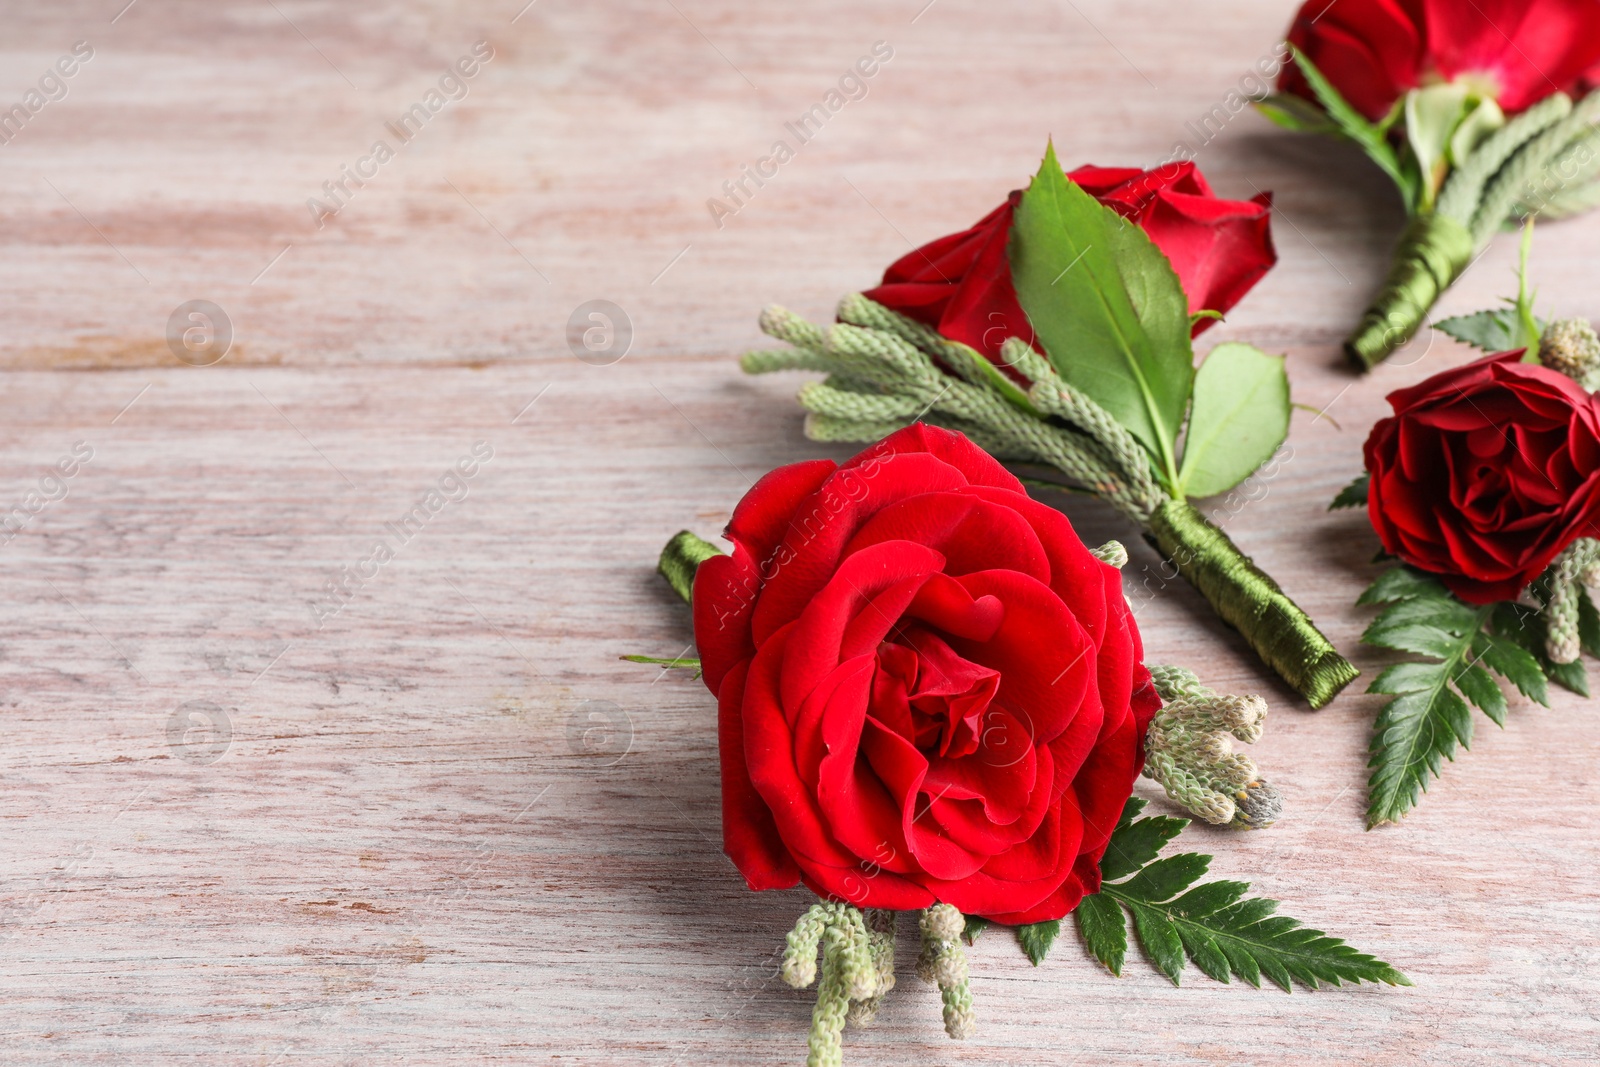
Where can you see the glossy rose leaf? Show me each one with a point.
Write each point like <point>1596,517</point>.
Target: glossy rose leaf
<point>1107,307</point>
<point>1239,418</point>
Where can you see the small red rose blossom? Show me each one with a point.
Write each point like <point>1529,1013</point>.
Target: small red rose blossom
<point>928,689</point>
<point>1516,51</point>
<point>961,284</point>
<point>1485,473</point>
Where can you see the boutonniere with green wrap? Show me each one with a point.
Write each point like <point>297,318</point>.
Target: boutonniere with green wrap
<point>932,699</point>
<point>1480,111</point>
<point>1058,332</point>
<point>1485,485</point>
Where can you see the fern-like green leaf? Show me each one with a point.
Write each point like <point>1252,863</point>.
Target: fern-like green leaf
<point>1212,925</point>
<point>1431,712</point>
<point>1037,938</point>
<point>1353,495</point>
<point>1526,628</point>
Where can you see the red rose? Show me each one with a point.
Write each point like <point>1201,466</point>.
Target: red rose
<point>961,284</point>
<point>1374,51</point>
<point>928,689</point>
<point>1485,473</point>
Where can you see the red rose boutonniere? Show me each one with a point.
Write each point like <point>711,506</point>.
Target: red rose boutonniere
<point>1485,485</point>
<point>931,698</point>
<point>1469,106</point>
<point>1058,331</point>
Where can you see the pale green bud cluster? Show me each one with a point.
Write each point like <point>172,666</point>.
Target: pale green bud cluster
<point>858,969</point>
<point>943,961</point>
<point>1189,750</point>
<point>1571,347</point>
<point>1577,566</point>
<point>886,371</point>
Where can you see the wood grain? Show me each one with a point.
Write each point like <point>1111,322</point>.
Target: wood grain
<point>447,825</point>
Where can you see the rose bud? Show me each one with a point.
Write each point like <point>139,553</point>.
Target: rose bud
<point>961,284</point>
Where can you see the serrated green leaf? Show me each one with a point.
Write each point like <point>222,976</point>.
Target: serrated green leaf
<point>974,927</point>
<point>1427,626</point>
<point>1514,663</point>
<point>1527,628</point>
<point>1136,844</point>
<point>1166,878</point>
<point>1202,950</point>
<point>1130,812</point>
<point>1159,938</point>
<point>1104,930</point>
<point>1420,728</point>
<point>1478,687</point>
<point>1206,899</point>
<point>1108,308</point>
<point>1401,583</point>
<point>1037,938</point>
<point>1491,331</point>
<point>1209,924</point>
<point>1352,124</point>
<point>1353,495</point>
<point>1240,416</point>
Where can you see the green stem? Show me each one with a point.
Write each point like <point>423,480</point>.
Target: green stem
<point>1434,252</point>
<point>683,554</point>
<point>1251,602</point>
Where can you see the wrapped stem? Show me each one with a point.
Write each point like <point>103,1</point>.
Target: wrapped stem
<point>1251,602</point>
<point>1434,252</point>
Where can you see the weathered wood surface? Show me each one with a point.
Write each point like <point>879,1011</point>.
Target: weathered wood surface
<point>415,846</point>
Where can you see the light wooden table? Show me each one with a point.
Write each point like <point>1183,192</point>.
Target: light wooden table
<point>446,825</point>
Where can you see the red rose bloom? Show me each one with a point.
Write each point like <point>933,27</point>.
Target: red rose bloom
<point>1485,473</point>
<point>961,284</point>
<point>928,689</point>
<point>1374,51</point>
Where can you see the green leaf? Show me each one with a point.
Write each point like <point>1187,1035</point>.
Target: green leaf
<point>1166,878</point>
<point>1513,661</point>
<point>1588,624</point>
<point>1401,583</point>
<point>1158,935</point>
<point>1135,845</point>
<point>1104,929</point>
<point>1108,308</point>
<point>1295,113</point>
<point>1240,417</point>
<point>1212,925</point>
<point>1433,114</point>
<point>1352,124</point>
<point>1204,315</point>
<point>1526,628</point>
<point>1432,707</point>
<point>1353,495</point>
<point>973,928</point>
<point>1480,122</point>
<point>1037,938</point>
<point>1492,331</point>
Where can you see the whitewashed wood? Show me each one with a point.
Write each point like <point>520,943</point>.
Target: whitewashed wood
<point>402,857</point>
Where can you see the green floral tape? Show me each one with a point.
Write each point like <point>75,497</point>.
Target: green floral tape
<point>679,560</point>
<point>1250,602</point>
<point>1431,256</point>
